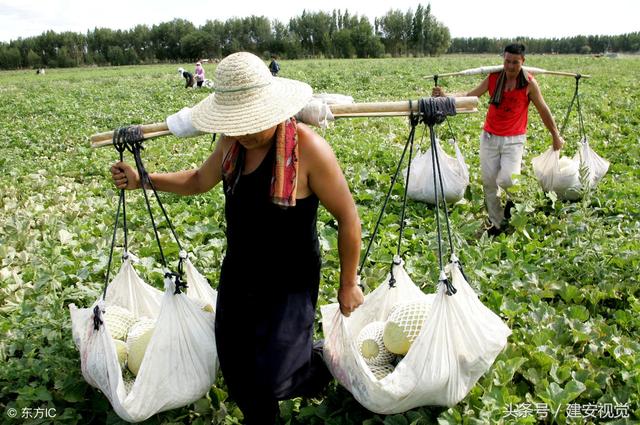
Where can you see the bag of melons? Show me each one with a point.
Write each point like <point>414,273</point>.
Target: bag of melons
<point>454,172</point>
<point>148,351</point>
<point>444,344</point>
<point>566,176</point>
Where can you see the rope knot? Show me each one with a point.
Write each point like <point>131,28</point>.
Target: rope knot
<point>434,110</point>
<point>449,288</point>
<point>97,319</point>
<point>177,281</point>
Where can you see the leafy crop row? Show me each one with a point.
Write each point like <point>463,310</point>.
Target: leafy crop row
<point>565,279</point>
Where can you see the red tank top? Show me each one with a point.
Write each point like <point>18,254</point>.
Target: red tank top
<point>510,117</point>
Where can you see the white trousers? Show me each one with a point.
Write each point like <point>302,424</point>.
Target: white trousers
<point>500,158</point>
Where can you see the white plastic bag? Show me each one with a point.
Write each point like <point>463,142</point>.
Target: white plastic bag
<point>455,176</point>
<point>558,174</point>
<point>562,174</point>
<point>457,344</point>
<point>180,362</point>
<point>595,165</point>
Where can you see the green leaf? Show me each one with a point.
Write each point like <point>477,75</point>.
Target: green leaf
<point>396,420</point>
<point>556,396</point>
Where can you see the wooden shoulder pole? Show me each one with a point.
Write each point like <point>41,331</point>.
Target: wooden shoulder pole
<point>465,104</point>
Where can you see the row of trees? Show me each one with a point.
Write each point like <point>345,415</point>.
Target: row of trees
<point>580,44</point>
<point>312,34</point>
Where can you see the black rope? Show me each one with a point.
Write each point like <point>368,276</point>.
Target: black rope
<point>119,144</point>
<point>434,143</point>
<point>135,147</point>
<point>133,138</point>
<point>414,120</point>
<point>430,111</point>
<point>576,100</point>
<point>433,115</point>
<point>113,243</point>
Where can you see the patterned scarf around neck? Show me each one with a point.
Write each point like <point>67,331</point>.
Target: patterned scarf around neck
<point>285,165</point>
<point>521,81</point>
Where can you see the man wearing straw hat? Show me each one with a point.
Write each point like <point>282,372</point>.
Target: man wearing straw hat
<point>505,130</point>
<point>274,172</point>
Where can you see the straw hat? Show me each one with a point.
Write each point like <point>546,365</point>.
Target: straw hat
<point>247,98</point>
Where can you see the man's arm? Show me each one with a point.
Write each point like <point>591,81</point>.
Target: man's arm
<point>545,114</point>
<point>477,91</point>
<point>329,185</point>
<point>186,182</point>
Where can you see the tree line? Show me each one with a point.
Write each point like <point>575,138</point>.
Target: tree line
<point>580,44</point>
<point>310,35</point>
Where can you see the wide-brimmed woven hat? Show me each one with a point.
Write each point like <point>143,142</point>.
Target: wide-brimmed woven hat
<point>247,98</point>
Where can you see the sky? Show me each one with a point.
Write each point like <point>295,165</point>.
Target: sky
<point>464,18</point>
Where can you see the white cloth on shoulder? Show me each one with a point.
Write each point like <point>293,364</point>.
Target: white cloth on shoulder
<point>180,124</point>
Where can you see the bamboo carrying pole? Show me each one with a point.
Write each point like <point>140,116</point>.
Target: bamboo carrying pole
<point>465,104</point>
<point>496,68</point>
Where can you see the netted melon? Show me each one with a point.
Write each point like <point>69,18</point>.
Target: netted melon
<point>118,321</point>
<point>121,350</point>
<point>139,336</point>
<point>404,325</point>
<point>380,371</point>
<point>371,345</point>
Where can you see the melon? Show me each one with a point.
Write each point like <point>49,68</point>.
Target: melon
<point>121,350</point>
<point>371,345</point>
<point>566,181</point>
<point>380,371</point>
<point>139,336</point>
<point>118,320</point>
<point>404,324</point>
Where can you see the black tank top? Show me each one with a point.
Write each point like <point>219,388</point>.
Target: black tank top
<point>268,243</point>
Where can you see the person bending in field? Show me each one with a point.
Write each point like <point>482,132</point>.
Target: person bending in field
<point>188,77</point>
<point>505,129</point>
<point>274,172</point>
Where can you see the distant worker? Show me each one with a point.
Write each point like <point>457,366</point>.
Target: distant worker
<point>188,77</point>
<point>199,74</point>
<point>274,66</point>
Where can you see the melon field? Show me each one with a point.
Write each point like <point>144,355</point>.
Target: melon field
<point>565,278</point>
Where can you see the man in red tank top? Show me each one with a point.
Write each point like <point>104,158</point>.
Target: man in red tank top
<point>505,128</point>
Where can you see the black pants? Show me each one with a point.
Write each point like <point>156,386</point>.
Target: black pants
<point>266,350</point>
<point>309,382</point>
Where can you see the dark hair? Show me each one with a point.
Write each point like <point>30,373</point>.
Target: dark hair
<point>515,49</point>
